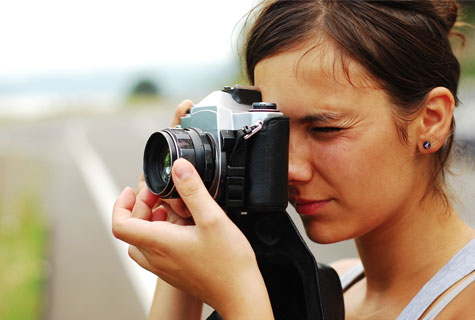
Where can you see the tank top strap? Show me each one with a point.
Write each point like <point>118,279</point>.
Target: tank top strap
<point>461,265</point>
<point>434,312</point>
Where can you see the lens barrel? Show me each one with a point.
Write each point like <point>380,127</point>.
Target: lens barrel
<point>164,147</point>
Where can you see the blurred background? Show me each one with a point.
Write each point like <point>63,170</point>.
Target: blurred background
<point>82,86</point>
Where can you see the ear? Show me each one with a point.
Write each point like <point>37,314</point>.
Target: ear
<point>435,119</point>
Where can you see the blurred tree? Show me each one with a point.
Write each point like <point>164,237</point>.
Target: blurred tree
<point>144,92</point>
<point>145,87</point>
<point>468,10</point>
<point>467,54</point>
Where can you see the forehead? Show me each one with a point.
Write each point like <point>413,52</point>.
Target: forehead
<point>314,72</point>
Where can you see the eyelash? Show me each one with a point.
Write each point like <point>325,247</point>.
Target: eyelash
<point>325,129</point>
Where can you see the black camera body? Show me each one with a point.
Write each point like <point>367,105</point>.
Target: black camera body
<point>238,145</point>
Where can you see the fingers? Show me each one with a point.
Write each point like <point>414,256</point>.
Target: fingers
<point>144,203</point>
<point>159,214</point>
<point>193,193</point>
<point>142,184</point>
<point>175,218</point>
<point>126,199</point>
<point>135,231</point>
<point>181,110</point>
<point>154,262</point>
<point>178,206</point>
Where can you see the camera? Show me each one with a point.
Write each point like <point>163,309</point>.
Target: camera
<point>237,143</point>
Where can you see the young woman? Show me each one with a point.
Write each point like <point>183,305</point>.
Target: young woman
<point>370,89</point>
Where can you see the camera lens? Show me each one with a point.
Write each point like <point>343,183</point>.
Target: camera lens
<point>165,166</point>
<point>160,152</point>
<point>166,146</point>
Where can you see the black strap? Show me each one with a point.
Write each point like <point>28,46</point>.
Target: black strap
<point>236,171</point>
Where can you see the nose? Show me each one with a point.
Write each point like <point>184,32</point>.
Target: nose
<point>300,169</point>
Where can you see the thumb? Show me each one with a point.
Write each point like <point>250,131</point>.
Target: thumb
<point>192,191</point>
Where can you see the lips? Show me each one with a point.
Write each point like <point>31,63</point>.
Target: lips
<point>310,207</point>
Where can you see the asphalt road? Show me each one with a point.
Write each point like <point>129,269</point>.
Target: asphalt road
<point>79,165</point>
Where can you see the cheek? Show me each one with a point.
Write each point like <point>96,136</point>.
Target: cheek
<point>340,162</point>
<point>365,173</point>
<point>370,184</point>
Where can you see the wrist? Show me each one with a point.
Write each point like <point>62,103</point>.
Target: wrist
<point>172,303</point>
<point>250,299</point>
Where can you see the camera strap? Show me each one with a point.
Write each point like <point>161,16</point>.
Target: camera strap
<point>236,168</point>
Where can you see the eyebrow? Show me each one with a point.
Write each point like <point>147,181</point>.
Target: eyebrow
<point>323,117</point>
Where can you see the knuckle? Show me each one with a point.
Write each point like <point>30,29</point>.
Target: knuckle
<point>185,103</point>
<point>130,251</point>
<point>139,205</point>
<point>214,217</point>
<point>116,231</point>
<point>211,222</point>
<point>183,107</point>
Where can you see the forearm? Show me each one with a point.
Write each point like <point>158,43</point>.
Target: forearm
<point>171,303</point>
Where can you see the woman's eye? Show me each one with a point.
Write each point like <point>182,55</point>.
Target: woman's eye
<point>326,129</point>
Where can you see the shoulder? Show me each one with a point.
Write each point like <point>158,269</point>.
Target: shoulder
<point>343,265</point>
<point>462,306</point>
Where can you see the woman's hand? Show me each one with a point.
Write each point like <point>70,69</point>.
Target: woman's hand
<point>169,302</point>
<point>212,259</point>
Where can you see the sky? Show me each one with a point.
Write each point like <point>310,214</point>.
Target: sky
<point>62,36</point>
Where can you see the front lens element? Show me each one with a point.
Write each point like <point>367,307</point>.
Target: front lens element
<point>166,146</point>
<point>165,166</point>
<point>160,152</point>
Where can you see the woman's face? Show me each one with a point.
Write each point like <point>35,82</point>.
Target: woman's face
<point>349,172</point>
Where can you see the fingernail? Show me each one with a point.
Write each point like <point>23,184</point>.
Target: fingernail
<point>182,169</point>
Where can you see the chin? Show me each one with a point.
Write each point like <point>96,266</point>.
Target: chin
<point>319,233</point>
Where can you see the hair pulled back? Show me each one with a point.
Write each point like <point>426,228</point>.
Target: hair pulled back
<point>403,45</point>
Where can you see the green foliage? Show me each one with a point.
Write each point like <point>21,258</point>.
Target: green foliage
<point>468,68</point>
<point>468,10</point>
<point>467,54</point>
<point>23,264</point>
<point>145,87</point>
<point>145,92</point>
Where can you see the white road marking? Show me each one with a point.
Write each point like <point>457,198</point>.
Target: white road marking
<point>104,192</point>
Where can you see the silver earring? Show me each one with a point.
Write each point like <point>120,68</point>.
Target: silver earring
<point>426,145</point>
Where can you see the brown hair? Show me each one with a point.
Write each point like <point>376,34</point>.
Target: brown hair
<point>403,45</point>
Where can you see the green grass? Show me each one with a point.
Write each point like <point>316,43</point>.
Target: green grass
<point>23,258</point>
<point>140,101</point>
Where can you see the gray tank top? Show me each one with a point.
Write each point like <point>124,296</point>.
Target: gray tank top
<point>461,265</point>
